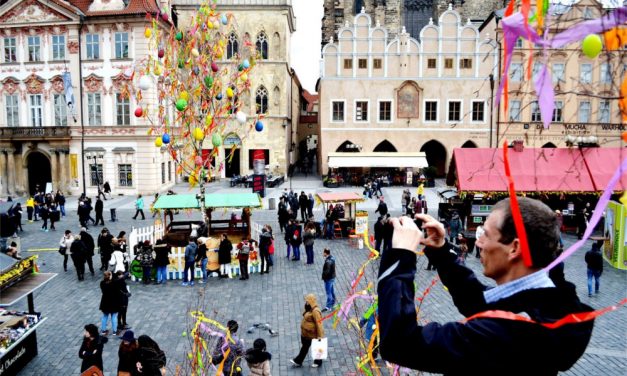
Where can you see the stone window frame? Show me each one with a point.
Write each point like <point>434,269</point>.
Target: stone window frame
<point>262,45</point>
<point>123,180</point>
<point>261,97</point>
<point>37,46</point>
<point>12,110</point>
<point>60,110</point>
<point>585,76</point>
<point>561,78</point>
<point>362,63</point>
<point>430,65</point>
<point>460,112</point>
<point>92,44</point>
<point>516,72</point>
<point>126,52</point>
<point>348,63</point>
<point>483,111</point>
<point>355,113</point>
<point>519,110</point>
<point>32,110</point>
<point>581,108</point>
<point>536,115</point>
<point>92,107</point>
<point>377,63</point>
<point>448,63</point>
<point>558,111</point>
<point>390,101</point>
<point>604,114</point>
<point>58,47</point>
<point>332,112</point>
<point>232,46</point>
<point>465,63</point>
<point>437,112</point>
<point>120,102</point>
<point>605,73</point>
<point>12,47</point>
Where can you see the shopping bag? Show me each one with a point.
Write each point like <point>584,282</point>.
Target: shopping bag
<point>319,349</point>
<point>92,371</point>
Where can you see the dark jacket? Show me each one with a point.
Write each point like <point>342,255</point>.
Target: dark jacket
<point>78,250</point>
<point>378,230</point>
<point>151,360</point>
<point>201,252</point>
<point>328,269</point>
<point>481,346</point>
<point>162,257</point>
<point>145,256</point>
<point>88,240</point>
<point>190,252</point>
<point>297,236</point>
<point>224,252</point>
<point>594,259</point>
<point>99,206</point>
<point>258,362</point>
<point>265,240</point>
<point>110,301</point>
<point>104,243</point>
<point>233,360</point>
<point>127,360</point>
<point>382,209</point>
<point>86,352</point>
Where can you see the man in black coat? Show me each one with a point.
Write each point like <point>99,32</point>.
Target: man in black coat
<point>505,331</point>
<point>105,245</point>
<point>378,233</point>
<point>99,208</point>
<point>382,209</point>
<point>303,202</point>
<point>88,241</point>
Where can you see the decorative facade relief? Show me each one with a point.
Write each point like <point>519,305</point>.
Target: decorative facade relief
<point>30,11</point>
<point>34,84</point>
<point>72,46</point>
<point>93,84</point>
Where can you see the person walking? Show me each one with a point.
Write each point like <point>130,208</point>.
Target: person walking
<point>17,212</point>
<point>201,258</point>
<point>162,260</point>
<point>265,241</point>
<point>456,226</point>
<point>258,359</point>
<point>283,214</point>
<point>107,190</point>
<point>382,208</point>
<point>303,202</point>
<point>289,233</point>
<point>328,276</point>
<point>127,354</point>
<point>190,256</point>
<point>139,207</point>
<point>91,348</point>
<point>243,252</point>
<point>296,240</point>
<point>109,303</point>
<point>224,256</point>
<point>309,236</point>
<point>30,208</point>
<point>312,202</point>
<point>78,252</point>
<point>594,263</point>
<point>90,246</point>
<point>99,208</point>
<point>64,247</point>
<point>310,329</point>
<point>117,261</point>
<point>44,213</point>
<point>59,198</point>
<point>105,247</point>
<point>503,324</point>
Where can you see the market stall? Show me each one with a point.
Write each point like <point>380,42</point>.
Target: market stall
<point>344,204</point>
<point>18,337</point>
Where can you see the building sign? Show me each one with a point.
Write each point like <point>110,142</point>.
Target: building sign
<point>231,140</point>
<point>74,166</point>
<point>259,185</point>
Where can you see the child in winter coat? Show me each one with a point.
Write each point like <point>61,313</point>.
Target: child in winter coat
<point>258,359</point>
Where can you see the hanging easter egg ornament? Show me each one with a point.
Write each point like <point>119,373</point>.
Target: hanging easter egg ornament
<point>219,96</point>
<point>198,134</point>
<point>198,160</point>
<point>241,117</point>
<point>165,138</point>
<point>144,83</point>
<point>164,16</point>
<point>208,81</point>
<point>259,126</point>
<point>208,120</point>
<point>179,36</point>
<point>184,95</point>
<point>139,112</point>
<point>181,104</point>
<point>148,33</point>
<point>214,67</point>
<point>158,142</point>
<point>229,92</point>
<point>161,53</point>
<point>246,64</point>
<point>592,45</point>
<point>224,20</point>
<point>216,140</point>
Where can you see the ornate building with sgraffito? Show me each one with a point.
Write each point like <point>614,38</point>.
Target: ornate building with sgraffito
<point>66,120</point>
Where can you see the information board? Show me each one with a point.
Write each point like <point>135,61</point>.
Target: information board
<point>361,222</point>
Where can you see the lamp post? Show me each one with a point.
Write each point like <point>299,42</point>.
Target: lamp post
<point>94,167</point>
<point>290,169</point>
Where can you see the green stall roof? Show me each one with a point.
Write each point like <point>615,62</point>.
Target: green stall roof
<point>212,200</point>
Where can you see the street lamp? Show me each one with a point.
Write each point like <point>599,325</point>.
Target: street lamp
<point>290,169</point>
<point>94,167</point>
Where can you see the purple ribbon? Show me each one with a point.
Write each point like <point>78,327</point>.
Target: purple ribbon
<point>598,211</point>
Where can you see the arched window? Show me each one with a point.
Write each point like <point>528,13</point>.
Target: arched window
<point>232,47</point>
<point>262,45</point>
<point>261,100</point>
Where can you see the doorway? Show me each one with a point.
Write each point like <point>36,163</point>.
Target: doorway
<point>436,156</point>
<point>232,163</point>
<point>39,171</point>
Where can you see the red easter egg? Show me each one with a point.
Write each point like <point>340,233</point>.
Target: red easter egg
<point>139,112</point>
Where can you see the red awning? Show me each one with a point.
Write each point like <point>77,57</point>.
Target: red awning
<point>602,163</point>
<point>533,170</point>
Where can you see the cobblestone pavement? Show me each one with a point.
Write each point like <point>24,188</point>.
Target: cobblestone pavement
<point>277,298</point>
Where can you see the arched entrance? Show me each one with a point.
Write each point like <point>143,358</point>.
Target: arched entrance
<point>469,145</point>
<point>348,147</point>
<point>436,156</point>
<point>232,145</point>
<point>549,145</point>
<point>39,171</point>
<point>384,146</point>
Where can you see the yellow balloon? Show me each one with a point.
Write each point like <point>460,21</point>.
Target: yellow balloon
<point>158,142</point>
<point>184,95</point>
<point>229,92</point>
<point>208,120</point>
<point>198,134</point>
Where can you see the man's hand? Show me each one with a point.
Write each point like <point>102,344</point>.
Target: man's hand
<point>406,234</point>
<point>434,230</point>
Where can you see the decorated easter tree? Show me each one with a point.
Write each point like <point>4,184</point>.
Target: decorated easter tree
<point>199,78</point>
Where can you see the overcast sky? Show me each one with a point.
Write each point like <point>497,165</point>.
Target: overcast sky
<point>305,49</point>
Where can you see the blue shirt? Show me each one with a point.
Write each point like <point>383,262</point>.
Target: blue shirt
<point>537,280</point>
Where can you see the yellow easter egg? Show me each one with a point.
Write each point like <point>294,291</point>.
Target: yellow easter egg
<point>208,120</point>
<point>158,142</point>
<point>184,95</point>
<point>148,33</point>
<point>229,92</point>
<point>198,134</point>
<point>244,77</point>
<point>195,52</point>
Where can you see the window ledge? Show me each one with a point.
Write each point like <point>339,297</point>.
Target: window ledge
<point>10,63</point>
<point>33,62</point>
<point>124,59</point>
<point>93,60</point>
<point>60,61</point>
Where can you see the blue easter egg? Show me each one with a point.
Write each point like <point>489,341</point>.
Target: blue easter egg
<point>259,126</point>
<point>165,138</point>
<point>219,96</point>
<point>224,20</point>
<point>246,64</point>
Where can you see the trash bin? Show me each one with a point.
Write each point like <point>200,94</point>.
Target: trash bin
<point>272,203</point>
<point>113,215</point>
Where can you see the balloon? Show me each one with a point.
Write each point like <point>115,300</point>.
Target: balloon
<point>139,112</point>
<point>198,134</point>
<point>224,20</point>
<point>161,53</point>
<point>144,83</point>
<point>246,64</point>
<point>219,96</point>
<point>179,36</point>
<point>148,33</point>
<point>208,81</point>
<point>184,95</point>
<point>181,104</point>
<point>229,92</point>
<point>216,140</point>
<point>241,117</point>
<point>198,160</point>
<point>208,120</point>
<point>259,126</point>
<point>165,138</point>
<point>158,142</point>
<point>214,67</point>
<point>592,45</point>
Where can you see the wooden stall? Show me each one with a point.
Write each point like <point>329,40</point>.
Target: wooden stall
<point>348,200</point>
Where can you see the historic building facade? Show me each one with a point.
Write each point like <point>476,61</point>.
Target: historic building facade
<point>401,95</point>
<point>275,91</point>
<point>65,118</point>
<point>586,90</point>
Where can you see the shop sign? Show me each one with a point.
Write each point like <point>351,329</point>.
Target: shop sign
<point>231,140</point>
<point>259,184</point>
<point>361,222</point>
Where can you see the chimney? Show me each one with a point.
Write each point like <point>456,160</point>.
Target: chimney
<point>518,145</point>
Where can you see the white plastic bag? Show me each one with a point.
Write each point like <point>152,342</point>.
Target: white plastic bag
<point>319,349</point>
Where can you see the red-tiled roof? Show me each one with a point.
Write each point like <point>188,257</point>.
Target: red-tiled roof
<point>311,99</point>
<point>134,7</point>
